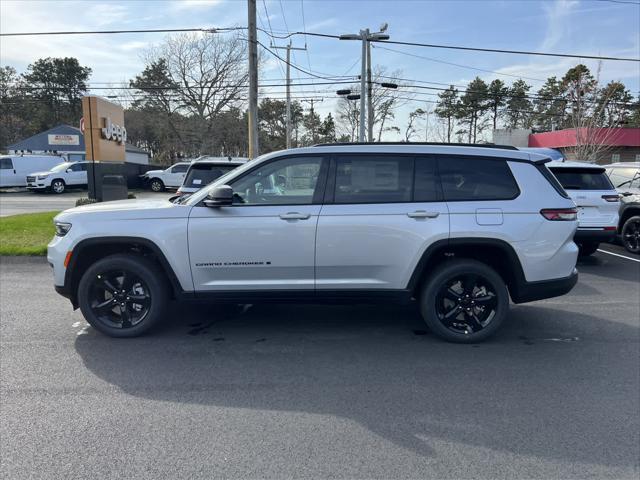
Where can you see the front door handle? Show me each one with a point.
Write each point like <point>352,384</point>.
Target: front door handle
<point>295,216</point>
<point>422,214</point>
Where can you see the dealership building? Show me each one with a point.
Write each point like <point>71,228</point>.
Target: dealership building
<point>68,141</point>
<point>619,144</point>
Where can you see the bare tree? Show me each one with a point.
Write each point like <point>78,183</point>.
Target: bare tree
<point>412,124</point>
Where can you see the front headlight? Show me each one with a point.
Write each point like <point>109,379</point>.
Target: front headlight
<point>62,228</point>
<point>42,177</point>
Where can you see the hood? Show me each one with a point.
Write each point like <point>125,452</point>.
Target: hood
<point>152,172</point>
<point>126,210</point>
<point>39,173</point>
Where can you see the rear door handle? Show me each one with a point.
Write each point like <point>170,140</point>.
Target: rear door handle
<point>295,216</point>
<point>422,214</point>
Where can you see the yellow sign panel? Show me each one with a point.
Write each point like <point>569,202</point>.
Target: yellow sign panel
<point>104,131</point>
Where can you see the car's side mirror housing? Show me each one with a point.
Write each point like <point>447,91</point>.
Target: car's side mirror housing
<point>219,197</point>
<point>68,170</point>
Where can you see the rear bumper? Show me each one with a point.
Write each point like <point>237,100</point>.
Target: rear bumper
<point>594,234</point>
<point>531,291</point>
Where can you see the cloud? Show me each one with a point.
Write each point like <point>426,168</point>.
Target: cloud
<point>557,24</point>
<point>181,5</point>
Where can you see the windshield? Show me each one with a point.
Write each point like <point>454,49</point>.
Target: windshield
<point>625,177</point>
<point>62,167</point>
<point>582,178</point>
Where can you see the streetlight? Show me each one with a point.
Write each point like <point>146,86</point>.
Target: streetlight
<point>366,36</point>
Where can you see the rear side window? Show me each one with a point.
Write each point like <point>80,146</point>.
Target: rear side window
<point>426,187</point>
<point>468,178</point>
<point>179,169</point>
<point>625,177</point>
<point>6,163</point>
<point>582,178</point>
<point>373,179</point>
<point>201,175</point>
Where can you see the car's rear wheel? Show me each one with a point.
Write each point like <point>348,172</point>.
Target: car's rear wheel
<point>464,301</point>
<point>156,185</point>
<point>587,248</point>
<point>58,186</point>
<point>631,234</point>
<point>123,295</point>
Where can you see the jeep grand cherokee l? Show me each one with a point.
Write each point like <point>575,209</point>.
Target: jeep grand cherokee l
<point>459,229</point>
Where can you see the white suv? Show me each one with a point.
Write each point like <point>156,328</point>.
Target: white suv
<point>597,200</point>
<point>171,177</point>
<point>59,178</point>
<point>460,229</point>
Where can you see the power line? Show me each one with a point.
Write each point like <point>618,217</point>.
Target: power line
<point>457,64</point>
<point>110,32</point>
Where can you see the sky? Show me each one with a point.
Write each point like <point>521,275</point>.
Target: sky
<point>589,27</point>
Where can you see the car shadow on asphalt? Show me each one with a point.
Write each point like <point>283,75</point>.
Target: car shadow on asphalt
<point>542,387</point>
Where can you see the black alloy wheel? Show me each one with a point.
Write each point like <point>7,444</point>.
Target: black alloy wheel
<point>631,235</point>
<point>124,295</point>
<point>464,301</point>
<point>466,304</point>
<point>119,299</point>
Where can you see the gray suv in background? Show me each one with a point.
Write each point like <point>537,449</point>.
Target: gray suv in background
<point>625,177</point>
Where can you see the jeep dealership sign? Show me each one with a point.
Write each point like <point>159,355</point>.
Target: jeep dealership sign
<point>114,132</point>
<point>104,131</point>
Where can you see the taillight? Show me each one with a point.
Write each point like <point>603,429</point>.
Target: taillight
<point>560,214</point>
<point>611,198</point>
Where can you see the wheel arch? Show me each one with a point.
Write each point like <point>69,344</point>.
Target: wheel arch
<point>496,253</point>
<point>90,250</point>
<point>627,213</point>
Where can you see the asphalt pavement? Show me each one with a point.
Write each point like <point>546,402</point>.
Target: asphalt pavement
<point>323,391</point>
<point>16,201</point>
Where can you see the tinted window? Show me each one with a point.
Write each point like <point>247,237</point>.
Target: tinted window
<point>371,179</point>
<point>625,177</point>
<point>76,167</point>
<point>203,174</point>
<point>582,178</point>
<point>290,181</point>
<point>425,187</point>
<point>180,169</point>
<point>6,163</point>
<point>476,179</point>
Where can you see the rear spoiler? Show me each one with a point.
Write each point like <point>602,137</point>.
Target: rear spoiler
<point>542,161</point>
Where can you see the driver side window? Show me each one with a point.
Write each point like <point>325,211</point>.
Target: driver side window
<point>291,181</point>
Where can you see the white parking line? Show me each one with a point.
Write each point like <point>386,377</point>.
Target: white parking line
<point>618,255</point>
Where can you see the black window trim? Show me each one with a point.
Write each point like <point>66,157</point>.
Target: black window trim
<point>318,193</point>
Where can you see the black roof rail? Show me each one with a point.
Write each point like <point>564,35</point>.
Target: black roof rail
<point>485,145</point>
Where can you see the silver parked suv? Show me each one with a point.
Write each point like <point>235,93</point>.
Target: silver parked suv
<point>459,229</point>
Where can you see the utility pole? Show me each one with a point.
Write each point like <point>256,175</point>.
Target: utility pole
<point>253,80</point>
<point>369,95</point>
<point>365,73</point>
<point>288,48</point>
<point>311,102</point>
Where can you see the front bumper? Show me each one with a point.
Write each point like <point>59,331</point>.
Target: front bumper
<point>595,234</point>
<point>531,291</point>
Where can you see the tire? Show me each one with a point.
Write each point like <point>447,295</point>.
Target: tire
<point>156,185</point>
<point>631,234</point>
<point>587,248</point>
<point>481,309</point>
<point>101,299</point>
<point>58,186</point>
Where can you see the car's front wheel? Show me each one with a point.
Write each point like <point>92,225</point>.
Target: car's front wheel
<point>631,234</point>
<point>58,186</point>
<point>464,301</point>
<point>156,185</point>
<point>123,295</point>
<point>587,248</point>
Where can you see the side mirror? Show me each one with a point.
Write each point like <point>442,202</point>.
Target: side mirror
<point>69,170</point>
<point>219,197</point>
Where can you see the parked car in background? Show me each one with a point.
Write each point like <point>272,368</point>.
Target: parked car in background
<point>598,202</point>
<point>204,171</point>
<point>625,177</point>
<point>15,168</point>
<point>59,178</point>
<point>172,177</point>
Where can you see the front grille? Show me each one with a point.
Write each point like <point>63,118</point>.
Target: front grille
<point>31,179</point>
